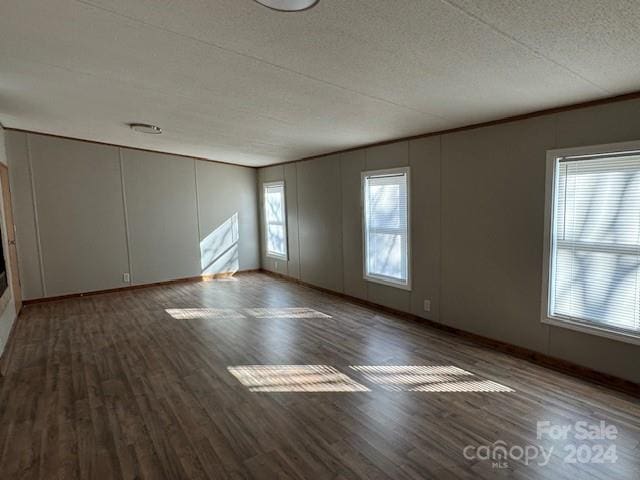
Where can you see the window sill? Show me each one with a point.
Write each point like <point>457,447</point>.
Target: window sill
<point>388,283</point>
<point>275,256</point>
<point>593,330</point>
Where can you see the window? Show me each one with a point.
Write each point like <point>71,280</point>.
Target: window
<point>386,226</point>
<point>593,249</point>
<point>275,220</point>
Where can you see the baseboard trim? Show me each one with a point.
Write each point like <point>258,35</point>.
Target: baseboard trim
<point>199,278</point>
<point>541,359</point>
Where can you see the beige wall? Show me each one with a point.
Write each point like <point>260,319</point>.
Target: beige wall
<point>477,227</point>
<point>161,215</point>
<point>227,203</point>
<point>8,315</point>
<point>80,217</point>
<point>87,213</point>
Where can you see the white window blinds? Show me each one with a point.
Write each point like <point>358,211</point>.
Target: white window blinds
<point>275,220</point>
<point>595,254</point>
<point>386,227</point>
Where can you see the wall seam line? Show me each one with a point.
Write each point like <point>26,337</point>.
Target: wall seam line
<point>195,181</point>
<point>286,221</point>
<point>556,124</point>
<point>362,227</point>
<point>126,215</point>
<point>261,256</point>
<point>36,221</point>
<point>298,220</point>
<point>440,247</point>
<point>340,158</point>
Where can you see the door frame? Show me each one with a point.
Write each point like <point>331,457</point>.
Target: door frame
<point>11,253</point>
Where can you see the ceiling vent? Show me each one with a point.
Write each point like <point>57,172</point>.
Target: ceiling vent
<point>146,128</point>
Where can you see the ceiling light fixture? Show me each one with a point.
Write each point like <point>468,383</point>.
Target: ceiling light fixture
<point>288,5</point>
<point>145,128</point>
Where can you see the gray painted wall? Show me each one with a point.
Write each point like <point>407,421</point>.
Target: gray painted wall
<point>228,217</point>
<point>87,213</point>
<point>8,315</point>
<point>160,194</point>
<point>477,204</point>
<point>320,222</point>
<point>78,199</point>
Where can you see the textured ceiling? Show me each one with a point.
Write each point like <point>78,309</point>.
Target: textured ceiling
<point>234,81</point>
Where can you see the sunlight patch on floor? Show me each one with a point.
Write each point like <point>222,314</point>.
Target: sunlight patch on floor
<point>471,386</point>
<point>219,278</point>
<point>214,313</point>
<point>394,378</point>
<point>285,313</point>
<point>294,378</point>
<point>433,378</point>
<point>192,313</point>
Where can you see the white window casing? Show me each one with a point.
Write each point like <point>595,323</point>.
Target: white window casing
<point>386,227</point>
<point>591,270</point>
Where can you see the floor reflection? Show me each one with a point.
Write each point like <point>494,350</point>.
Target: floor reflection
<point>294,378</point>
<point>394,378</point>
<point>192,313</point>
<point>434,378</point>
<point>286,312</point>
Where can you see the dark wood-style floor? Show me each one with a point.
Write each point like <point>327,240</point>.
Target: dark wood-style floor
<point>255,377</point>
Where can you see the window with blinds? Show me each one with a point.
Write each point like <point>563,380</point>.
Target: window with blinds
<point>386,226</point>
<point>595,241</point>
<point>275,220</point>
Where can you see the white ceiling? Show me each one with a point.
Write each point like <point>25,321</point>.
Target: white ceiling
<point>233,81</point>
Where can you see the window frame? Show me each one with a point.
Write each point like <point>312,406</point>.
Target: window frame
<point>388,281</point>
<point>553,158</point>
<point>275,255</point>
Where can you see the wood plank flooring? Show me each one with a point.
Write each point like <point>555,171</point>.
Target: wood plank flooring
<point>255,377</point>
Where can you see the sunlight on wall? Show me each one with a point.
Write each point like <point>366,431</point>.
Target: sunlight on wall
<point>295,312</point>
<point>219,249</point>
<point>294,378</point>
<point>413,378</point>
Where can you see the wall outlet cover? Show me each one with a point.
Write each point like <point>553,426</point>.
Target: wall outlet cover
<point>427,305</point>
<point>126,278</point>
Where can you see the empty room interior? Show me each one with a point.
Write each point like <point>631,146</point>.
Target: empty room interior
<point>320,239</point>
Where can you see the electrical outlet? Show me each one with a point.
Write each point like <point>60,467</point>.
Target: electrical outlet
<point>427,305</point>
<point>126,278</point>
